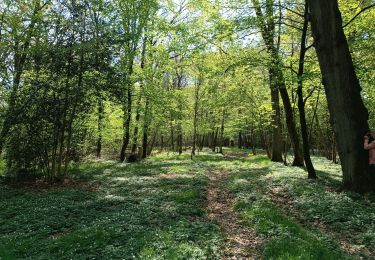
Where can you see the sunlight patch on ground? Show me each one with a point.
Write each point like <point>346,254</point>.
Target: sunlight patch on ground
<point>114,197</point>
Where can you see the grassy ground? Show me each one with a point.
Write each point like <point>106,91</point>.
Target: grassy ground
<point>2,167</point>
<point>156,210</point>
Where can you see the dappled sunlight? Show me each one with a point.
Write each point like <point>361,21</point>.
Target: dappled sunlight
<point>114,197</point>
<point>132,203</point>
<point>339,220</point>
<point>157,209</point>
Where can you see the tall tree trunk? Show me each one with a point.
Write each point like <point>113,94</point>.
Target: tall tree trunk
<point>240,140</point>
<point>179,138</point>
<point>277,144</point>
<point>252,140</point>
<point>127,114</point>
<point>180,108</point>
<point>100,127</point>
<point>172,133</point>
<point>144,143</point>
<point>151,147</point>
<point>162,143</point>
<point>222,131</point>
<point>349,114</point>
<point>291,125</point>
<point>301,104</point>
<point>138,109</point>
<point>277,80</point>
<point>136,128</point>
<point>314,115</point>
<point>64,120</point>
<point>196,106</point>
<point>77,92</point>
<point>146,123</point>
<point>214,143</point>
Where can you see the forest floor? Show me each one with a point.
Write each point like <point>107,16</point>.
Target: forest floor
<point>236,206</point>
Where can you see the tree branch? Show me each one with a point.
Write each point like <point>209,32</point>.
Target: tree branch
<point>358,14</point>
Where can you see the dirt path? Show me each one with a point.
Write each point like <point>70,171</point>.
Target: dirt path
<point>241,242</point>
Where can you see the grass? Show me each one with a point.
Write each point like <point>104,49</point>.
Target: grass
<point>2,167</point>
<point>138,211</point>
<point>283,205</point>
<point>156,210</point>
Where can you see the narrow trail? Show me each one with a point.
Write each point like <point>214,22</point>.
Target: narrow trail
<point>241,242</point>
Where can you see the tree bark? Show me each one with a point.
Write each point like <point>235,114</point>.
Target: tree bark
<point>146,122</point>
<point>138,109</point>
<point>196,106</point>
<point>349,115</point>
<point>215,136</point>
<point>301,104</point>
<point>222,131</point>
<point>100,127</point>
<point>277,145</point>
<point>291,125</point>
<point>277,80</point>
<point>127,115</point>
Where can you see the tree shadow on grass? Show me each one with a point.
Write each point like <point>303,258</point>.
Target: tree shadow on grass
<point>138,216</point>
<point>285,237</point>
<point>321,200</point>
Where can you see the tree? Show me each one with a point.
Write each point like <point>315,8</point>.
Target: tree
<point>134,18</point>
<point>277,80</point>
<point>301,101</point>
<point>348,114</point>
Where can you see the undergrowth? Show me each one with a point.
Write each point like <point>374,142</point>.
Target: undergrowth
<point>155,209</point>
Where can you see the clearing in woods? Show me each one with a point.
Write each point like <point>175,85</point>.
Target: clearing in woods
<point>236,206</point>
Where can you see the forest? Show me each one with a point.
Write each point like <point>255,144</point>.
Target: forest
<point>187,129</point>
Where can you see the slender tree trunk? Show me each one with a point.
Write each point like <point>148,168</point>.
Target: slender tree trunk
<point>291,125</point>
<point>138,109</point>
<point>240,140</point>
<point>349,114</point>
<point>172,135</point>
<point>222,131</point>
<point>196,106</point>
<point>99,87</point>
<point>151,147</point>
<point>100,127</point>
<point>64,119</point>
<point>277,145</point>
<point>277,80</point>
<point>180,108</point>
<point>146,123</point>
<point>144,144</point>
<point>253,144</point>
<point>74,109</point>
<point>314,116</point>
<point>136,129</point>
<point>179,139</point>
<point>301,104</point>
<point>214,143</point>
<point>127,114</point>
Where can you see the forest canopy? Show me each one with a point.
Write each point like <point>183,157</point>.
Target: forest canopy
<point>124,79</point>
<point>187,129</point>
